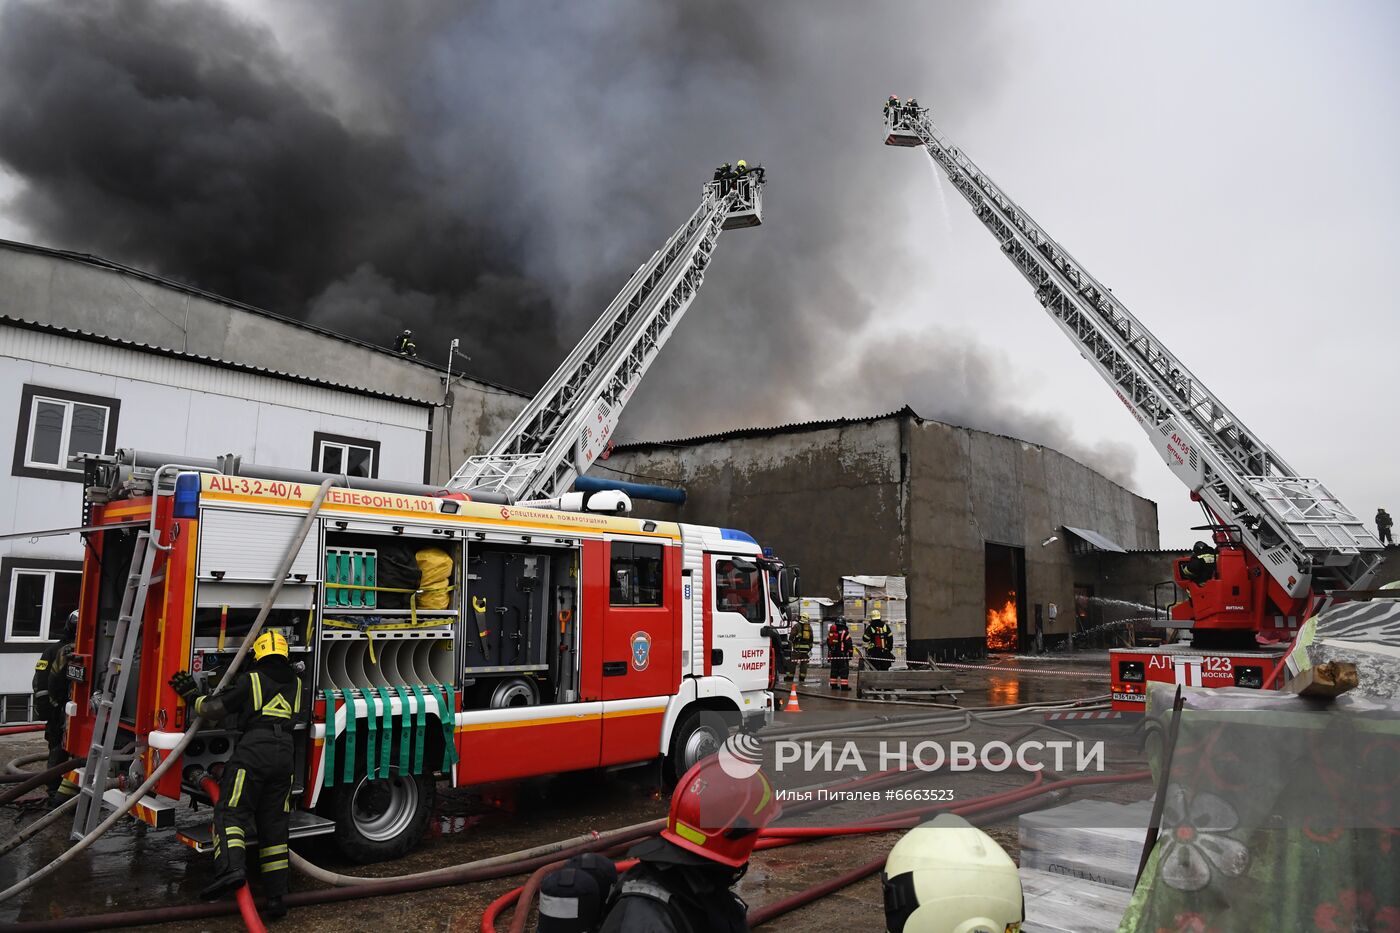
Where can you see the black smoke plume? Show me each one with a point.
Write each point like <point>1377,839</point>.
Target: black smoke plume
<point>495,170</point>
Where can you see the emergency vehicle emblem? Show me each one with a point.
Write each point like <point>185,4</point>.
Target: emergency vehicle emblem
<point>641,651</point>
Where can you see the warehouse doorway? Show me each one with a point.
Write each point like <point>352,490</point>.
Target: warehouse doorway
<point>1006,597</point>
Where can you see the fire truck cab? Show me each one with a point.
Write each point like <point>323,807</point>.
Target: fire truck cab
<point>440,637</point>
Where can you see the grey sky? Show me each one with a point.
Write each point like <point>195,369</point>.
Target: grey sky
<point>1226,168</point>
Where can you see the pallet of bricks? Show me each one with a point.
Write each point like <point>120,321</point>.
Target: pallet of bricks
<point>819,611</point>
<point>862,595</point>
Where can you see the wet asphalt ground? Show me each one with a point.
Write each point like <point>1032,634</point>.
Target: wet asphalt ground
<point>134,868</point>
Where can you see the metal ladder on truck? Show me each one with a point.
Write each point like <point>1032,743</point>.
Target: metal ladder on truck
<point>110,701</point>
<point>1301,534</point>
<point>571,419</point>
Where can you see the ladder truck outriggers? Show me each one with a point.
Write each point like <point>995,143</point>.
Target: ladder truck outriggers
<point>501,628</point>
<point>1281,544</point>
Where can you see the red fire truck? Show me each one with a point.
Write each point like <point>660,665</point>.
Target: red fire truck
<point>511,625</point>
<point>439,637</point>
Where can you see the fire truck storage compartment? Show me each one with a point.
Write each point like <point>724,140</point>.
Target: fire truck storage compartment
<point>520,637</point>
<point>390,606</point>
<point>248,547</point>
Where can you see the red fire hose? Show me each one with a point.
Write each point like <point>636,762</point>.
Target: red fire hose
<point>17,730</point>
<point>774,837</point>
<point>246,907</point>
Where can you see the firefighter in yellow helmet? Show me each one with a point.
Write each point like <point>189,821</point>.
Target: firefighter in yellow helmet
<point>947,876</point>
<point>879,642</point>
<point>255,789</point>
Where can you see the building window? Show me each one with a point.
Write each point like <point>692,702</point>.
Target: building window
<point>331,453</point>
<point>635,578</point>
<point>55,424</point>
<point>38,595</point>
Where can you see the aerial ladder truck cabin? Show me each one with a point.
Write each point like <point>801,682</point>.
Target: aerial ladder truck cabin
<point>1281,545</point>
<point>507,626</point>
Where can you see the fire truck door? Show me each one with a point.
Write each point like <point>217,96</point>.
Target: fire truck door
<point>737,602</point>
<point>639,659</point>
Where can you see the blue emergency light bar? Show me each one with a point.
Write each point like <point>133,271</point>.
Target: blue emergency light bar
<point>187,487</point>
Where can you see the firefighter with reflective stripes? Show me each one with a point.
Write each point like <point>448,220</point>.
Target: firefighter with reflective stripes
<point>51,690</point>
<point>800,641</point>
<point>879,642</point>
<point>838,651</point>
<point>255,789</point>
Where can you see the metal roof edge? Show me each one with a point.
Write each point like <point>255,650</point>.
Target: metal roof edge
<point>821,425</point>
<point>24,324</point>
<point>110,266</point>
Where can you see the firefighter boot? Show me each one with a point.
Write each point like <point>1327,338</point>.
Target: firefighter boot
<point>274,909</point>
<point>225,883</point>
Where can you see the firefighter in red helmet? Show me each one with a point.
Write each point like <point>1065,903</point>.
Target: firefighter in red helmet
<point>683,879</point>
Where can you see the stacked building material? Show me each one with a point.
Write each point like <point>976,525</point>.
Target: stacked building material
<point>1093,840</point>
<point>862,596</point>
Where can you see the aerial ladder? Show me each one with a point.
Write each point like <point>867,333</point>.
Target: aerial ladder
<point>1282,541</point>
<point>571,420</point>
<point>555,438</point>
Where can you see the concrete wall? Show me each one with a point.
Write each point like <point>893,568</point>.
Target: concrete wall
<point>828,500</point>
<point>968,488</point>
<point>899,495</point>
<point>53,288</point>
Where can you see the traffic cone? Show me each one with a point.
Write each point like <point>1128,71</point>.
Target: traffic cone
<point>792,706</point>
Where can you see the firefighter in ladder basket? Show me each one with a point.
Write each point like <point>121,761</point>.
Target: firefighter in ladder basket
<point>255,789</point>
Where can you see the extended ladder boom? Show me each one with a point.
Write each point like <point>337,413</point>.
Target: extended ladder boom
<point>571,420</point>
<point>1306,538</point>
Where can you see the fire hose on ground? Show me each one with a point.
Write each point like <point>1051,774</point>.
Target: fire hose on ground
<point>174,754</point>
<point>29,780</point>
<point>502,866</point>
<point>245,895</point>
<point>989,807</point>
<point>27,727</point>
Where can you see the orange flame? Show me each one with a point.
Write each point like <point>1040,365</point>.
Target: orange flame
<point>1002,630</point>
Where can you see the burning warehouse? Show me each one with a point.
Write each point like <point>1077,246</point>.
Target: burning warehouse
<point>992,532</point>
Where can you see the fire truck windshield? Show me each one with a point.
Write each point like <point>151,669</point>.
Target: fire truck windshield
<point>739,588</point>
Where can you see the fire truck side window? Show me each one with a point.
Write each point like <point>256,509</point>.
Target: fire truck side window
<point>635,578</point>
<point>739,588</point>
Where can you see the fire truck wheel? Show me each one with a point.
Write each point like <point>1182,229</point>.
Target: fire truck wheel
<point>515,691</point>
<point>382,819</point>
<point>699,735</point>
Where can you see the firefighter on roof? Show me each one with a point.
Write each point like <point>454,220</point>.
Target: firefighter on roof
<point>255,789</point>
<point>404,345</point>
<point>682,881</point>
<point>51,686</point>
<point>879,642</point>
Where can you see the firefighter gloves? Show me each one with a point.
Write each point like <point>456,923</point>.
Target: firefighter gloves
<point>184,684</point>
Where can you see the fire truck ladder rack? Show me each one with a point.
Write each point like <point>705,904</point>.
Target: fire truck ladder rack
<point>570,421</point>
<point>109,701</point>
<point>1302,534</point>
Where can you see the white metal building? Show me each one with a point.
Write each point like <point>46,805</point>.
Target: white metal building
<point>64,390</point>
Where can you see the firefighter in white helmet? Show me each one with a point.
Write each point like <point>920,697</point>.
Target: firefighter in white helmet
<point>947,876</point>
